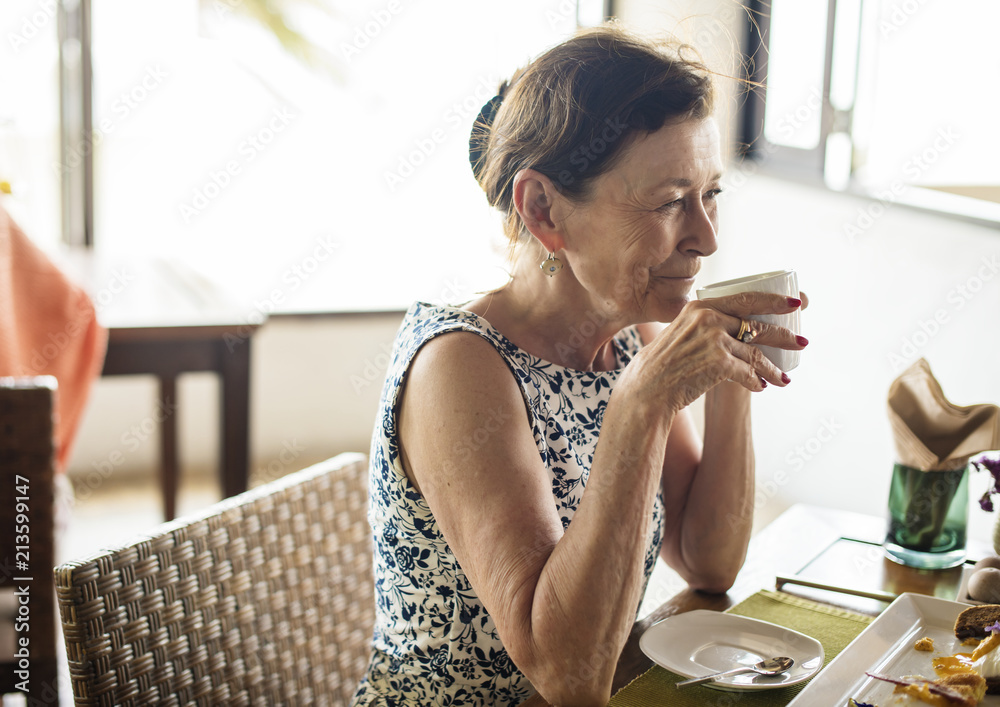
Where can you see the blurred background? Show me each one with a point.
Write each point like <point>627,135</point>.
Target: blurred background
<point>299,168</point>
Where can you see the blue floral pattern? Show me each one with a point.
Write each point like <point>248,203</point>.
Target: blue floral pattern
<point>434,642</point>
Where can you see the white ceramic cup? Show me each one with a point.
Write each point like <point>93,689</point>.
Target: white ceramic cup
<point>781,282</point>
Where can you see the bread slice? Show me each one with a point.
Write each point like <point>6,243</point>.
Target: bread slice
<point>972,685</point>
<point>972,622</point>
<point>971,625</point>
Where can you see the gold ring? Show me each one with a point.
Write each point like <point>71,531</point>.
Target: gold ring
<point>747,333</point>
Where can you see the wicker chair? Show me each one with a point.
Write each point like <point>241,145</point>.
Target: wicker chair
<point>265,598</point>
<point>27,458</point>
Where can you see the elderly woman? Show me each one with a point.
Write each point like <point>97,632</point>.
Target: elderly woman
<point>534,454</point>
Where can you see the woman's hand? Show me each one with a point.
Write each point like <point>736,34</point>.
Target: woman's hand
<point>699,349</point>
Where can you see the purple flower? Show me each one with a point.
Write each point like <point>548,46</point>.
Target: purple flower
<point>985,502</point>
<point>995,628</point>
<point>992,465</point>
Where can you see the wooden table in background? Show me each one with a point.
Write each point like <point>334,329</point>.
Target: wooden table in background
<point>168,351</point>
<point>164,319</point>
<point>795,539</point>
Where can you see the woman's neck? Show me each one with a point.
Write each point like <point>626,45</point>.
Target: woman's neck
<point>552,318</point>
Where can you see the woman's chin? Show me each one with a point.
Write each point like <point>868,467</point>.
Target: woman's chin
<point>666,310</point>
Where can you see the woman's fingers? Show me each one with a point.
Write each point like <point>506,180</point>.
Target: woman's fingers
<point>744,304</point>
<point>768,335</point>
<point>752,369</point>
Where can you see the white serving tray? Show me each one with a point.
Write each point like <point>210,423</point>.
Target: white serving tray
<point>886,647</point>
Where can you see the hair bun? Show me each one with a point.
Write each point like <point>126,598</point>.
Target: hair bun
<point>481,132</point>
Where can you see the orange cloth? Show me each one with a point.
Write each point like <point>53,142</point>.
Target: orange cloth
<point>48,326</point>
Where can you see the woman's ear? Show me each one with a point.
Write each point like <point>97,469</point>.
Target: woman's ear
<point>537,203</point>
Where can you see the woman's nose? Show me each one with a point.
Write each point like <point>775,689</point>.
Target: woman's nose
<point>701,238</point>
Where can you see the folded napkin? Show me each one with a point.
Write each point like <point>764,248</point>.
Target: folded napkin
<point>930,433</point>
<point>48,326</point>
<point>831,626</point>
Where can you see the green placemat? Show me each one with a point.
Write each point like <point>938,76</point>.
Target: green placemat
<point>832,627</point>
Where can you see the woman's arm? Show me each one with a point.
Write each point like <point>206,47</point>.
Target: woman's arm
<point>563,602</point>
<point>708,491</point>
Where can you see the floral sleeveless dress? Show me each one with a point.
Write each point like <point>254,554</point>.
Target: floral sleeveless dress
<point>434,642</point>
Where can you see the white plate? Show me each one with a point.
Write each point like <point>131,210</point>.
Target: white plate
<point>886,647</point>
<point>700,642</point>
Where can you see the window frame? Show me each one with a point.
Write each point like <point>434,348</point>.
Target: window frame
<point>809,166</point>
<point>76,123</point>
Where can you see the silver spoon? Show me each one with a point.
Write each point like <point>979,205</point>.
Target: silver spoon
<point>772,666</point>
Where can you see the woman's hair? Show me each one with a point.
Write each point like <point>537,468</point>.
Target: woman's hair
<point>571,112</point>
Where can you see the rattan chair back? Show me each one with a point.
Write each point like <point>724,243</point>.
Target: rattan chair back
<point>27,520</point>
<point>263,599</point>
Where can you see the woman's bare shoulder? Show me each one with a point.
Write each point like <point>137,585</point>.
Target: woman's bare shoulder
<point>457,351</point>
<point>464,373</point>
<point>461,407</point>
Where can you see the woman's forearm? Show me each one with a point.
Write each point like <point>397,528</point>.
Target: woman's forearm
<point>589,588</point>
<point>718,516</point>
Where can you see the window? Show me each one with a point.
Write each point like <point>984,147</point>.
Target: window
<point>29,117</point>
<point>893,98</point>
<point>338,185</point>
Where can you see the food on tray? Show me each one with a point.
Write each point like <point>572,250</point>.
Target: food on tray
<point>976,621</point>
<point>958,690</point>
<point>964,678</point>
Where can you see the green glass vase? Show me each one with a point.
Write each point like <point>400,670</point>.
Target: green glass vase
<point>928,517</point>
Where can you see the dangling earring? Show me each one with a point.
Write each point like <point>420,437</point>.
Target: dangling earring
<point>551,265</point>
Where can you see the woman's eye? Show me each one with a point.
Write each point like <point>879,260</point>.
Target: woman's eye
<point>670,205</point>
<point>712,193</point>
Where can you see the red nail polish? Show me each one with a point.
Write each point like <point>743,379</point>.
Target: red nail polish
<point>763,383</point>
<point>785,379</point>
<point>794,302</point>
<point>802,341</point>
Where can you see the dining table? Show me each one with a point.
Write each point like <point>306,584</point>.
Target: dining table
<point>832,557</point>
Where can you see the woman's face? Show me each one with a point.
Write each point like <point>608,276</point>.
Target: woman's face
<point>636,244</point>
